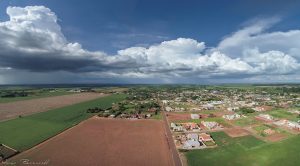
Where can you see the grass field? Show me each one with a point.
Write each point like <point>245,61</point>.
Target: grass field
<point>283,114</point>
<point>250,120</point>
<point>247,151</point>
<point>23,133</point>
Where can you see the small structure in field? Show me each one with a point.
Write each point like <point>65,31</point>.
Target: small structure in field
<point>195,116</point>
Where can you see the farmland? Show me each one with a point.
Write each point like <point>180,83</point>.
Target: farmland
<point>102,141</point>
<point>247,151</point>
<point>26,107</point>
<point>33,129</point>
<point>17,94</point>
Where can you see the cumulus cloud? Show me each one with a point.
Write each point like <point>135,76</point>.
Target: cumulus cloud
<point>32,42</point>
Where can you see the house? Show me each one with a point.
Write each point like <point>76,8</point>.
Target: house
<point>176,127</point>
<point>195,116</point>
<point>204,137</point>
<point>232,108</point>
<point>232,117</point>
<point>281,122</point>
<point>191,126</point>
<point>265,117</point>
<point>293,125</point>
<point>208,106</point>
<point>169,109</point>
<point>287,123</point>
<point>192,136</point>
<point>191,144</point>
<point>211,125</point>
<point>165,102</point>
<point>262,108</point>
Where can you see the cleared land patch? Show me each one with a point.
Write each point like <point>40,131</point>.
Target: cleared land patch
<point>23,133</point>
<point>176,116</point>
<point>100,141</point>
<point>27,107</point>
<point>236,132</point>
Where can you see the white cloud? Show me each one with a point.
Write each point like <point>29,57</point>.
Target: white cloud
<point>32,42</point>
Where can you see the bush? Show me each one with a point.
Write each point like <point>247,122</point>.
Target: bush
<point>245,110</point>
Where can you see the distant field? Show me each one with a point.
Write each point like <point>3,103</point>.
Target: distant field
<point>23,133</point>
<point>14,109</point>
<point>36,96</point>
<point>247,151</point>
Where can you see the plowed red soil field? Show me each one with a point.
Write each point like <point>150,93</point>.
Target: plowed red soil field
<point>178,116</point>
<point>105,142</point>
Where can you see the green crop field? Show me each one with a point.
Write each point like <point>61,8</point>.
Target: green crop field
<point>23,133</point>
<point>247,151</point>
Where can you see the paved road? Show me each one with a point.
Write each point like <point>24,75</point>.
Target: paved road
<point>175,154</point>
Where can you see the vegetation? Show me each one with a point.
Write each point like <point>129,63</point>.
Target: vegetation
<point>26,94</point>
<point>283,114</point>
<point>246,121</point>
<point>247,151</point>
<point>245,110</point>
<point>25,132</point>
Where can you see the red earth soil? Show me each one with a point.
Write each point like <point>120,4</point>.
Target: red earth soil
<point>27,107</point>
<point>236,132</point>
<point>276,137</point>
<point>178,116</point>
<point>106,142</point>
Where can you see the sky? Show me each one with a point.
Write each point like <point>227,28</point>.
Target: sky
<point>152,42</point>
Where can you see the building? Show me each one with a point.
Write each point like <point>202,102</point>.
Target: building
<point>195,116</point>
<point>211,125</point>
<point>176,127</point>
<point>192,136</point>
<point>204,137</point>
<point>287,123</point>
<point>233,108</point>
<point>265,117</point>
<point>232,117</point>
<point>262,108</point>
<point>191,144</point>
<point>191,126</point>
<point>169,109</point>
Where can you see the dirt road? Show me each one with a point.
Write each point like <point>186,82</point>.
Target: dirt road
<point>175,154</point>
